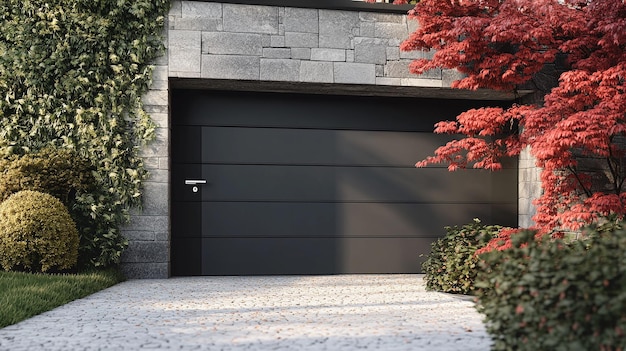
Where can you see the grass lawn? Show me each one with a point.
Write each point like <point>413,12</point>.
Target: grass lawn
<point>23,295</point>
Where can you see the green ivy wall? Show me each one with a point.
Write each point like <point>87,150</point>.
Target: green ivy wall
<point>72,76</point>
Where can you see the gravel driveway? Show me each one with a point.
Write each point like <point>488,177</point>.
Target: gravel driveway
<point>341,312</point>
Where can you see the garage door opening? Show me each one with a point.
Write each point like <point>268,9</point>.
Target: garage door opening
<point>275,183</point>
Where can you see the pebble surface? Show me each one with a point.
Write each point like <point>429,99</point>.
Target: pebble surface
<point>341,312</point>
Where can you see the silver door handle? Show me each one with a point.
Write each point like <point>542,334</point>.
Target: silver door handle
<point>195,181</point>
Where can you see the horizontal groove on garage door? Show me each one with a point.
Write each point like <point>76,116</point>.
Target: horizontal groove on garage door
<point>229,145</point>
<point>326,219</point>
<point>245,109</point>
<point>236,256</point>
<point>315,184</point>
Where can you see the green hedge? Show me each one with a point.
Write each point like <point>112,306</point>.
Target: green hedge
<point>72,73</point>
<point>556,295</point>
<point>452,264</point>
<point>37,233</point>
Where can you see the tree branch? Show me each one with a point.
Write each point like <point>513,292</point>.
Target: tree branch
<point>575,173</point>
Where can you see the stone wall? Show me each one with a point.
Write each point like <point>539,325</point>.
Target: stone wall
<point>247,42</point>
<point>235,42</point>
<point>529,188</point>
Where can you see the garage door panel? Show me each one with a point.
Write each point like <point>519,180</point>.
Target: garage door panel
<point>302,220</point>
<point>315,147</point>
<point>245,109</point>
<point>182,191</point>
<point>264,256</point>
<point>188,142</point>
<point>189,218</point>
<point>186,256</point>
<point>318,184</point>
<point>349,184</point>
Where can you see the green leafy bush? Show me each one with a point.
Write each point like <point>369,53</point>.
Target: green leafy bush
<point>556,295</point>
<point>72,74</point>
<point>64,174</point>
<point>451,266</point>
<point>36,233</point>
<point>61,173</point>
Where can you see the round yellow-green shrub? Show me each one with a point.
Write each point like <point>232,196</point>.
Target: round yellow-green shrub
<point>37,233</point>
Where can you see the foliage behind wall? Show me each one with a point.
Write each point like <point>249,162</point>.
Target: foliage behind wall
<point>72,73</point>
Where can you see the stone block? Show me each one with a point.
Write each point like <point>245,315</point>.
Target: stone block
<point>159,176</point>
<point>349,55</point>
<point>224,43</point>
<point>277,41</point>
<point>280,70</point>
<point>393,53</point>
<point>400,69</point>
<point>419,82</point>
<point>159,85</point>
<point>354,73</point>
<point>391,30</point>
<point>250,18</point>
<point>301,53</point>
<point>388,81</point>
<point>301,20</point>
<point>155,198</point>
<point>337,28</point>
<point>162,236</point>
<point>525,221</point>
<point>266,40</point>
<point>525,205</point>
<point>524,189</point>
<point>184,50</point>
<point>148,223</point>
<point>158,147</point>
<point>145,270</point>
<point>448,76</point>
<point>164,163</point>
<point>196,23</point>
<point>230,67</point>
<point>301,40</point>
<point>175,74</point>
<point>161,119</point>
<point>380,71</point>
<point>397,69</point>
<point>416,54</point>
<point>381,17</point>
<point>281,53</point>
<point>151,163</point>
<point>316,72</point>
<point>412,25</point>
<point>367,29</point>
<point>369,50</point>
<point>156,108</point>
<point>156,98</point>
<point>160,74</point>
<point>201,9</point>
<point>163,59</point>
<point>526,175</point>
<point>324,54</point>
<point>139,235</point>
<point>146,251</point>
<point>176,9</point>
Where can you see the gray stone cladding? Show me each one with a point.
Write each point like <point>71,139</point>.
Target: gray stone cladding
<point>252,42</point>
<point>211,40</point>
<point>529,188</point>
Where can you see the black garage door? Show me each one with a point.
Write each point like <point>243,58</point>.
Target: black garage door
<point>313,184</point>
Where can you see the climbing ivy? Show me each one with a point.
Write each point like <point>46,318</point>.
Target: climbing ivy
<point>72,73</point>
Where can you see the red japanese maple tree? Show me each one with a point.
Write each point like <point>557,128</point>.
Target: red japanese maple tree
<point>576,131</point>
